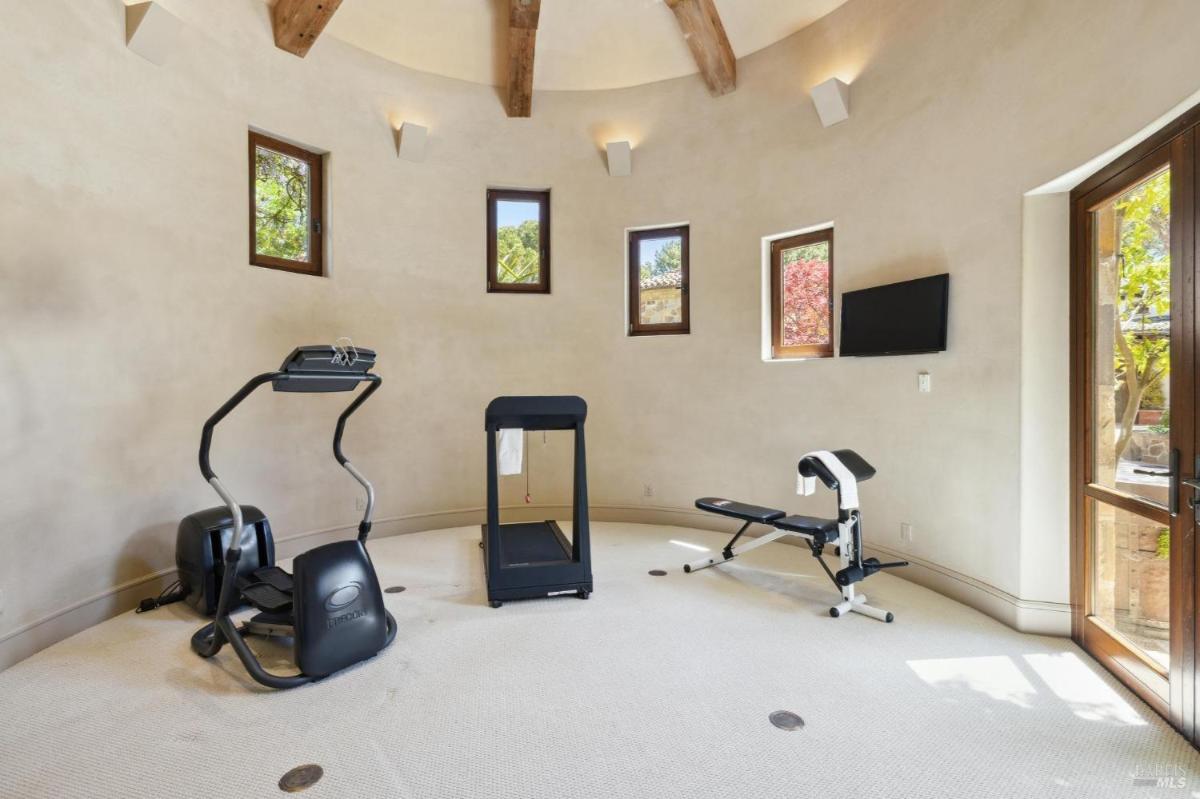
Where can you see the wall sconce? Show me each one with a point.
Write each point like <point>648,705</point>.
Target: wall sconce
<point>832,99</point>
<point>151,31</point>
<point>620,159</point>
<point>410,141</point>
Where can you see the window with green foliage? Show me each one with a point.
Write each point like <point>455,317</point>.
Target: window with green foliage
<point>658,281</point>
<point>1131,337</point>
<point>285,206</point>
<point>518,246</point>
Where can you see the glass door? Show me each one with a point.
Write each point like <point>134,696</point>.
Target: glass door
<point>1134,431</point>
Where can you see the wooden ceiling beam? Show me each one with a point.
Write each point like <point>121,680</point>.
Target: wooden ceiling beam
<point>705,36</point>
<point>298,23</point>
<point>522,38</point>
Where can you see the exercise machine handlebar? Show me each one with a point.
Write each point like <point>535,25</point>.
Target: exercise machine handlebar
<point>296,380</point>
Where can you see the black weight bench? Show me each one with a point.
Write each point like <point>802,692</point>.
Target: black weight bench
<point>839,471</point>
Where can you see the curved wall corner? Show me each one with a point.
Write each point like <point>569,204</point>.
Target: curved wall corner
<point>132,313</point>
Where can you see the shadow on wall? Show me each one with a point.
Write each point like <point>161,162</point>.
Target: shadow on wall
<point>907,268</point>
<point>148,546</point>
<point>40,291</point>
<point>500,50</point>
<point>19,416</point>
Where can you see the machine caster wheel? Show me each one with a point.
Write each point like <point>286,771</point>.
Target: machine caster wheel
<point>582,594</point>
<point>889,618</point>
<point>493,603</point>
<point>687,569</point>
<point>837,551</point>
<point>834,612</point>
<point>481,545</point>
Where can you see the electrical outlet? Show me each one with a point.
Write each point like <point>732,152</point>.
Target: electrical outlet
<point>924,382</point>
<point>906,532</point>
<point>647,490</point>
<point>360,503</point>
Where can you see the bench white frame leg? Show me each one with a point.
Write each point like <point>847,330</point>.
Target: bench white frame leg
<point>851,602</point>
<point>753,543</point>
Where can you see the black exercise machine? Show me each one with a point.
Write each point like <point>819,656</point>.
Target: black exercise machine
<point>840,471</point>
<point>534,559</point>
<point>331,606</point>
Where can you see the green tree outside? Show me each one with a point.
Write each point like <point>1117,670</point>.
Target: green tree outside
<point>281,205</point>
<point>668,258</point>
<point>1144,292</point>
<point>517,252</point>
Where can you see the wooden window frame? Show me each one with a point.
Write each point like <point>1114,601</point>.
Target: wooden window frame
<point>316,215</point>
<point>542,198</point>
<point>799,351</point>
<point>636,326</point>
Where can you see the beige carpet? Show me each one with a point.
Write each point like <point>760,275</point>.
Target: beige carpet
<point>655,687</point>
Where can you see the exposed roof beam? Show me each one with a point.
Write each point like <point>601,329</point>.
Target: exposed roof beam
<point>522,36</point>
<point>705,35</point>
<point>298,23</point>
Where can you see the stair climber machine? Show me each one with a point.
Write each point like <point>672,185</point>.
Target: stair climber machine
<point>840,471</point>
<point>331,606</point>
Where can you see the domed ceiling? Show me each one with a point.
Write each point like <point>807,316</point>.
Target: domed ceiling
<point>581,44</point>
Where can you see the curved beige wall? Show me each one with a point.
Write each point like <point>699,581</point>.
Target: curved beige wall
<point>130,313</point>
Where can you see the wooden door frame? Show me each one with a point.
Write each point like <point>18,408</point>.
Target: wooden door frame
<point>1174,145</point>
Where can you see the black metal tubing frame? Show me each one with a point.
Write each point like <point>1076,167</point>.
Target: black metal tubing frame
<point>728,551</point>
<point>208,640</point>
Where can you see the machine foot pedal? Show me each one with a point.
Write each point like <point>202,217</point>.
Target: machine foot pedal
<point>275,577</point>
<point>267,597</point>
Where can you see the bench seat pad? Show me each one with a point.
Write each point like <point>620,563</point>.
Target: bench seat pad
<point>739,510</point>
<point>821,530</point>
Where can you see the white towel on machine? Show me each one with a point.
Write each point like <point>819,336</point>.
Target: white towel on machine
<point>847,482</point>
<point>512,450</point>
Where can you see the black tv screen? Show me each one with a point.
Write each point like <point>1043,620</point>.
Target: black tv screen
<point>896,319</point>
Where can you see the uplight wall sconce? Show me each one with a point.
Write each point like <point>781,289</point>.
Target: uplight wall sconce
<point>151,31</point>
<point>832,100</point>
<point>410,141</point>
<point>620,159</point>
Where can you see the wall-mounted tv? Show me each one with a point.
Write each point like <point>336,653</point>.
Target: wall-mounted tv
<point>896,319</point>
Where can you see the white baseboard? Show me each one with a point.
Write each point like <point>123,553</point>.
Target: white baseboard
<point>1025,615</point>
<point>1043,618</point>
<point>35,636</point>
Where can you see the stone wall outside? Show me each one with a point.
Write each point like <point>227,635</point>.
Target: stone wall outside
<point>660,306</point>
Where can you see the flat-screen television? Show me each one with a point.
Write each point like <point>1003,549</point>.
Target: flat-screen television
<point>896,319</point>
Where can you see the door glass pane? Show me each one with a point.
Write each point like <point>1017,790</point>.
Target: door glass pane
<point>660,281</point>
<point>518,241</point>
<point>1131,578</point>
<point>1131,327</point>
<point>282,188</point>
<point>805,282</point>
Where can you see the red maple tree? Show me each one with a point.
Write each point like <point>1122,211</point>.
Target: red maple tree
<point>805,296</point>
